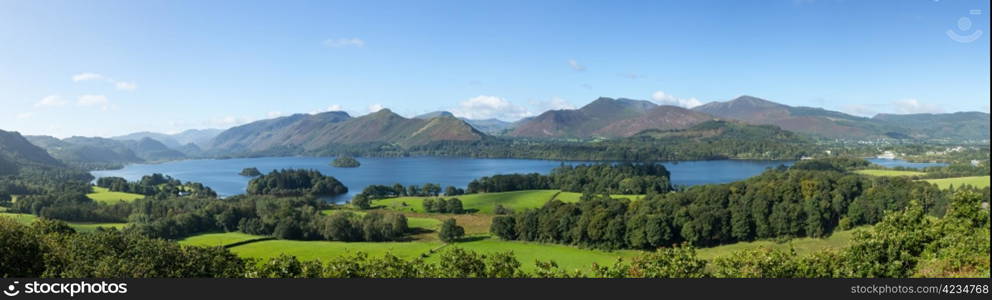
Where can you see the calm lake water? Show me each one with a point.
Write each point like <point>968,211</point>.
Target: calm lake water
<point>222,174</point>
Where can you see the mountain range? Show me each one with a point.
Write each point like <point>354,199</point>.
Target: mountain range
<point>16,151</point>
<point>603,118</point>
<point>310,133</point>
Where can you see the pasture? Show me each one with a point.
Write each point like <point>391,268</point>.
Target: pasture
<point>218,239</point>
<point>486,202</point>
<point>975,181</point>
<point>104,195</point>
<point>889,173</point>
<point>26,219</point>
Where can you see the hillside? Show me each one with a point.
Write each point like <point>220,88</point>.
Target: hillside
<point>664,117</point>
<point>584,122</point>
<point>94,150</point>
<point>315,133</point>
<point>197,137</point>
<point>15,150</point>
<point>953,126</point>
<point>808,120</point>
<point>488,126</point>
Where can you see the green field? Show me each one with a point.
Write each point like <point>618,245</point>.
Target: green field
<point>837,240</point>
<point>486,202</point>
<point>889,173</point>
<point>567,257</point>
<point>103,195</point>
<point>26,219</point>
<point>975,181</point>
<point>218,239</point>
<point>309,250</point>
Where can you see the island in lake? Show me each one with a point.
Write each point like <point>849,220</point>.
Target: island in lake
<point>345,162</point>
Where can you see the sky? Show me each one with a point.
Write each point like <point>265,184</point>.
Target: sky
<point>107,68</point>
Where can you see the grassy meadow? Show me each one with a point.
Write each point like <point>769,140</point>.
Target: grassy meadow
<point>889,173</point>
<point>976,181</point>
<point>218,239</point>
<point>26,219</point>
<point>486,202</point>
<point>104,195</point>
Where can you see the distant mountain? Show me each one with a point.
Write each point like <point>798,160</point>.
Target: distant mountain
<point>15,151</point>
<point>315,133</point>
<point>178,141</point>
<point>607,117</point>
<point>808,120</point>
<point>435,114</point>
<point>952,126</point>
<point>488,126</point>
<point>96,151</point>
<point>664,117</point>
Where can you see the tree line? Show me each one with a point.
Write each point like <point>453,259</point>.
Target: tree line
<point>620,178</point>
<point>906,243</point>
<point>809,199</point>
<point>294,182</point>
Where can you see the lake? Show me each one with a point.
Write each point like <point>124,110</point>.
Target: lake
<point>222,174</point>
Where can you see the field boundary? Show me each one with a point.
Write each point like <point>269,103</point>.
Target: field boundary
<point>245,242</point>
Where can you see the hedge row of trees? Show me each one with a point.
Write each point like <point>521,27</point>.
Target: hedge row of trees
<point>296,183</point>
<point>440,205</point>
<point>779,203</point>
<point>156,184</point>
<point>291,218</point>
<point>906,243</point>
<point>378,191</point>
<point>623,178</point>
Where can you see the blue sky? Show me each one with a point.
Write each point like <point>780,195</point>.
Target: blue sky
<point>104,68</point>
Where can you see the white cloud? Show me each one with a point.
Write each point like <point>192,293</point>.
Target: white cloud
<point>334,107</point>
<point>274,114</point>
<point>555,103</point>
<point>985,108</point>
<point>87,76</point>
<point>488,107</point>
<point>120,85</point>
<point>859,110</point>
<point>25,115</point>
<point>631,75</point>
<point>914,106</point>
<point>375,107</point>
<point>666,99</point>
<point>576,66</point>
<point>344,42</point>
<point>51,101</point>
<point>126,86</point>
<point>94,100</point>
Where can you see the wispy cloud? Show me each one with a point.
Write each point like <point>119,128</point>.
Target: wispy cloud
<point>94,100</point>
<point>86,76</point>
<point>488,107</point>
<point>859,110</point>
<point>914,106</point>
<point>120,85</point>
<point>344,42</point>
<point>375,107</point>
<point>51,101</point>
<point>575,65</point>
<point>665,99</point>
<point>126,86</point>
<point>25,115</point>
<point>274,114</point>
<point>631,76</point>
<point>555,103</point>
